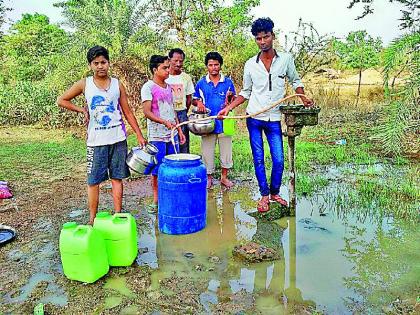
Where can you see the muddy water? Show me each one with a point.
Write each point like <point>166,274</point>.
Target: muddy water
<point>339,265</point>
<point>332,259</point>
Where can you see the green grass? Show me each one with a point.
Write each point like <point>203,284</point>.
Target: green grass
<point>34,156</point>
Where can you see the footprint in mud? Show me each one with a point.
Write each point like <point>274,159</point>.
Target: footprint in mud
<point>112,301</point>
<point>23,293</point>
<point>117,285</point>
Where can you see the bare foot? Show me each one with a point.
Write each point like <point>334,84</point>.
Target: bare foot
<point>209,181</point>
<point>226,182</point>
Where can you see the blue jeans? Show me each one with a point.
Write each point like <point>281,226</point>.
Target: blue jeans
<point>164,149</point>
<point>272,130</point>
<point>182,116</point>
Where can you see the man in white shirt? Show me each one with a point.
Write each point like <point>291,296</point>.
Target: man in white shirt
<point>263,85</point>
<point>182,90</point>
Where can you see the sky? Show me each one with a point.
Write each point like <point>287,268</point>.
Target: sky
<point>328,16</point>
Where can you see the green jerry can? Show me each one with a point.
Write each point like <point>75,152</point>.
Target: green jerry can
<point>229,125</point>
<point>83,253</point>
<point>120,234</point>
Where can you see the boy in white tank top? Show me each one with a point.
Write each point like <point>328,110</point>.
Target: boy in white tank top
<point>107,102</point>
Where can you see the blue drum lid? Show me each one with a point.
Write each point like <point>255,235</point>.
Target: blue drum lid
<point>6,234</point>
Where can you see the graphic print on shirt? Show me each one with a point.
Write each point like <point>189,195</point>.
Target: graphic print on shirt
<point>162,106</point>
<point>102,108</point>
<point>178,94</point>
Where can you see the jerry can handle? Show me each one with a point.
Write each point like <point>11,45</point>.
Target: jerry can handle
<point>81,230</point>
<point>121,217</point>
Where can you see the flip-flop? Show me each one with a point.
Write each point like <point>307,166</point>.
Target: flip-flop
<point>152,208</point>
<point>263,205</point>
<point>280,200</point>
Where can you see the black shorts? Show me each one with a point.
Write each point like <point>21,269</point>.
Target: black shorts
<point>107,161</point>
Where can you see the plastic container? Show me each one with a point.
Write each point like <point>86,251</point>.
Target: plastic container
<point>182,194</point>
<point>229,125</point>
<point>83,253</point>
<point>120,234</point>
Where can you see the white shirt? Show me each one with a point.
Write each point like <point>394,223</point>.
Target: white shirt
<point>263,88</point>
<point>182,86</point>
<point>106,125</point>
<point>162,106</point>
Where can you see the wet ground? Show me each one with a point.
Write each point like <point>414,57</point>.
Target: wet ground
<point>330,259</point>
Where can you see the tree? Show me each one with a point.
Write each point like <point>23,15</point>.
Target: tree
<point>410,14</point>
<point>309,49</point>
<point>32,47</point>
<point>110,23</point>
<point>3,10</point>
<point>402,113</point>
<point>360,51</point>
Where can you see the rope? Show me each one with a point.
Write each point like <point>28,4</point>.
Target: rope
<point>232,117</point>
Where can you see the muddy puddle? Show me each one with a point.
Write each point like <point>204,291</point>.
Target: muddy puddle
<point>330,261</point>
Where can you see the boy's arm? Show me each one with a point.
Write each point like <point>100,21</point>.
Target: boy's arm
<point>129,115</point>
<point>65,99</point>
<point>147,110</point>
<point>181,135</point>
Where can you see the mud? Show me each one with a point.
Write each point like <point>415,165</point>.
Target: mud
<point>197,274</point>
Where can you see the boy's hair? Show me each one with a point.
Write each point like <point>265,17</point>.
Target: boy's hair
<point>97,51</point>
<point>262,25</point>
<point>213,55</point>
<point>176,51</point>
<point>156,60</point>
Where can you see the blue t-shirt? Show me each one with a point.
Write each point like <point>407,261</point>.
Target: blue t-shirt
<point>213,97</point>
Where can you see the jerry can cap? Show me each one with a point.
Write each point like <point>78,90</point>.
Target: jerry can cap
<point>103,214</point>
<point>69,225</point>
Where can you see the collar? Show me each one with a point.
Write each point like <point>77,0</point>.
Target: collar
<point>222,78</point>
<point>259,54</point>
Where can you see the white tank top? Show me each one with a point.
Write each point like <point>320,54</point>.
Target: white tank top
<point>105,120</point>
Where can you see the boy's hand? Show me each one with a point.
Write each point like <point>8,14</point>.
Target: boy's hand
<point>224,112</point>
<point>169,125</point>
<point>142,142</point>
<point>200,107</point>
<point>229,98</point>
<point>182,138</point>
<point>86,114</point>
<point>307,102</point>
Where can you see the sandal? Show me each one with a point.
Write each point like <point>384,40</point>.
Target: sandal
<point>280,200</point>
<point>152,208</point>
<point>263,205</point>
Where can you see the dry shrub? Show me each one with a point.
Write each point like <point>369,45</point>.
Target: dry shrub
<point>133,73</point>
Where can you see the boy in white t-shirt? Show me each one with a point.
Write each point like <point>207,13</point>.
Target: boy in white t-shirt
<point>107,102</point>
<point>158,107</point>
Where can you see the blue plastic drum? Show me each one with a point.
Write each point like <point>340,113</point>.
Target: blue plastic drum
<point>182,194</point>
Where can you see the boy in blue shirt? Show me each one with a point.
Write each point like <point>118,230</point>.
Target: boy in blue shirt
<point>213,91</point>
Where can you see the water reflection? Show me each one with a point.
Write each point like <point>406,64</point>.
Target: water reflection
<point>324,255</point>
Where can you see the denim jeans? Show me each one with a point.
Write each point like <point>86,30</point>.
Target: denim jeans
<point>182,116</point>
<point>272,130</point>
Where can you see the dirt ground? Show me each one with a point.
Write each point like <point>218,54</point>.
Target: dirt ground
<point>31,268</point>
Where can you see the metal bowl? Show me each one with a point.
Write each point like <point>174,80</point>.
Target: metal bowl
<point>203,127</point>
<point>141,158</point>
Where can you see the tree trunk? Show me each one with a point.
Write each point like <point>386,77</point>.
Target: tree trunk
<point>360,82</point>
<point>358,87</point>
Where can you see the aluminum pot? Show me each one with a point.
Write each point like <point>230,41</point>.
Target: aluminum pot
<point>202,127</point>
<point>140,158</point>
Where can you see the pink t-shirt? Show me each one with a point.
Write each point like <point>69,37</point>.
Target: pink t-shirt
<point>162,107</point>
